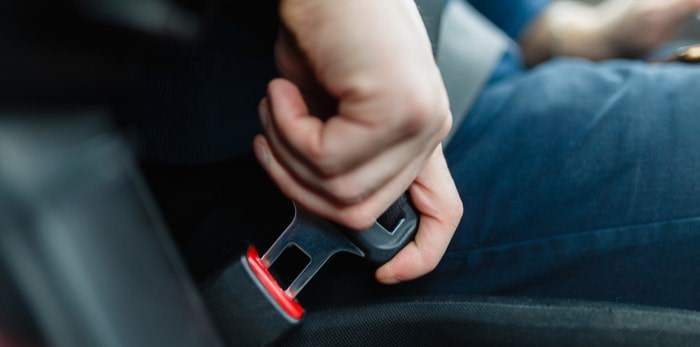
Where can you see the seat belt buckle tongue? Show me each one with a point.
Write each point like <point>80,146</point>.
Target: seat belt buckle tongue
<point>317,238</point>
<point>320,239</point>
<point>247,302</point>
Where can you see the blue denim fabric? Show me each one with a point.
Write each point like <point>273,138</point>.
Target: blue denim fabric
<point>579,180</point>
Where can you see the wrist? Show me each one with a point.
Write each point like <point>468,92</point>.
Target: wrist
<point>572,29</point>
<point>580,30</point>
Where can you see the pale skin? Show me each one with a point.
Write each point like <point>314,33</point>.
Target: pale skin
<point>358,119</point>
<point>611,29</point>
<point>359,113</point>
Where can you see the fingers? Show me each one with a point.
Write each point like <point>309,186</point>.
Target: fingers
<point>436,198</point>
<point>289,129</point>
<point>389,110</point>
<point>632,28</point>
<point>433,194</point>
<point>343,142</point>
<point>357,216</point>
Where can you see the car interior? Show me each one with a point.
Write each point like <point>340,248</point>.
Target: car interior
<point>87,260</point>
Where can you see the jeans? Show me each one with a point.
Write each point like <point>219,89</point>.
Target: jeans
<point>579,181</point>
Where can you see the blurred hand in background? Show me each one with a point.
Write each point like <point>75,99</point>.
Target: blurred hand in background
<point>611,29</point>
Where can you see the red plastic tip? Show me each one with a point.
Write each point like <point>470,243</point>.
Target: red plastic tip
<point>287,303</point>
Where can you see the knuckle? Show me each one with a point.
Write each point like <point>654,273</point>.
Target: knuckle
<point>458,208</point>
<point>459,211</point>
<point>327,167</point>
<point>457,214</point>
<point>431,265</point>
<point>445,127</point>
<point>314,152</point>
<point>322,161</point>
<point>428,112</point>
<point>426,264</point>
<point>344,193</point>
<point>453,215</point>
<point>419,114</point>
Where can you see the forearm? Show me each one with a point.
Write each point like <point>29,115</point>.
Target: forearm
<point>611,29</point>
<point>568,28</point>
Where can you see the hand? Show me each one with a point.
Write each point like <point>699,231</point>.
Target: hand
<point>358,119</point>
<point>361,109</point>
<point>612,29</point>
<point>635,27</point>
<point>435,197</point>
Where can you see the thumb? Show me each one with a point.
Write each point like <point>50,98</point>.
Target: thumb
<point>435,196</point>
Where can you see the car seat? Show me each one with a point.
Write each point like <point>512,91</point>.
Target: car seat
<point>85,261</point>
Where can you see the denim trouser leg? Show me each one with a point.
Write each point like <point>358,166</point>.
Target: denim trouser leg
<point>579,180</point>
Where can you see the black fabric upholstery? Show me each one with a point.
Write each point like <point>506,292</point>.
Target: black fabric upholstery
<point>497,322</point>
